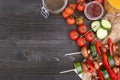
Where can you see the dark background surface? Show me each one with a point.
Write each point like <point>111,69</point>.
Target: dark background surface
<point>23,29</point>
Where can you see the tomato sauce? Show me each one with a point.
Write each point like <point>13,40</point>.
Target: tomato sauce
<point>94,10</point>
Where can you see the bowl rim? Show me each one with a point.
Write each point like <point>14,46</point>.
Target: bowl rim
<point>57,11</point>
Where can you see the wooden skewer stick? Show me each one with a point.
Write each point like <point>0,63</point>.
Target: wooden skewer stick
<point>67,71</point>
<point>69,54</point>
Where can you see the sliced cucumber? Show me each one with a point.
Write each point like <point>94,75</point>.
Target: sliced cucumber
<point>93,50</point>
<point>110,60</point>
<point>78,67</point>
<point>95,25</point>
<point>106,24</point>
<point>102,33</point>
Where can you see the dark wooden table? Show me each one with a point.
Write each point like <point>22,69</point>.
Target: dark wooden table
<point>24,31</point>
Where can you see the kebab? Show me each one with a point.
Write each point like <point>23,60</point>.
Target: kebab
<point>113,62</point>
<point>93,68</point>
<point>85,67</point>
<point>98,48</point>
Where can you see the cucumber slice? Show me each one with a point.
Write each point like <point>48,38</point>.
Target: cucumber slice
<point>106,24</point>
<point>93,50</point>
<point>110,60</point>
<point>102,33</point>
<point>95,25</point>
<point>78,67</point>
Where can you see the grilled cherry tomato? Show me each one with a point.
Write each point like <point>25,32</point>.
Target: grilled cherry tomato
<point>101,1</point>
<point>80,6</point>
<point>79,20</point>
<point>70,20</point>
<point>81,41</point>
<point>82,28</point>
<point>73,35</point>
<point>72,5</point>
<point>90,36</point>
<point>69,11</point>
<point>64,15</point>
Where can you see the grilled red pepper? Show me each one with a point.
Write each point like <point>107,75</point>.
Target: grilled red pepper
<point>99,73</point>
<point>98,45</point>
<point>112,75</point>
<point>110,46</point>
<point>90,65</point>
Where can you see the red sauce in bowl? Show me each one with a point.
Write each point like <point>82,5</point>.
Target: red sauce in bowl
<point>94,10</point>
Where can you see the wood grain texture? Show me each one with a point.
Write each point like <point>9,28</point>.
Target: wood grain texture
<point>23,29</point>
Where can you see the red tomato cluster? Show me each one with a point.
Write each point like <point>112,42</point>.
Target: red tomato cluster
<point>82,35</point>
<point>69,13</point>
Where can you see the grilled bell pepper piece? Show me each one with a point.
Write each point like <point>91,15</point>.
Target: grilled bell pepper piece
<point>98,45</point>
<point>110,46</point>
<point>112,75</point>
<point>90,65</point>
<point>78,67</point>
<point>100,75</point>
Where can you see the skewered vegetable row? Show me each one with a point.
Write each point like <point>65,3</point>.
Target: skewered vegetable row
<point>100,59</point>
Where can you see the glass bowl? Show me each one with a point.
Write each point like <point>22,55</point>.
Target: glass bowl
<point>94,10</point>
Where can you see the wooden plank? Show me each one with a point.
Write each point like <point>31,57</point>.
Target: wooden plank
<point>22,29</point>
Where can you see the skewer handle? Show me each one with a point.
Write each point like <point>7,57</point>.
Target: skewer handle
<point>67,71</point>
<point>72,53</point>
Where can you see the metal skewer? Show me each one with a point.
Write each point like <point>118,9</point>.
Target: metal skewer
<point>67,71</point>
<point>69,54</point>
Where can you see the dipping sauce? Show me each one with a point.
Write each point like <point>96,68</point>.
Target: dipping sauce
<point>93,10</point>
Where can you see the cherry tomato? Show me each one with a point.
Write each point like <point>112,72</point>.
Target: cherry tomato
<point>73,35</point>
<point>90,36</point>
<point>101,1</point>
<point>72,5</point>
<point>80,6</point>
<point>79,20</point>
<point>69,11</point>
<point>81,41</point>
<point>82,28</point>
<point>70,21</point>
<point>64,15</point>
<point>78,1</point>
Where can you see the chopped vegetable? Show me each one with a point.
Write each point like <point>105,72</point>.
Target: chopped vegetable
<point>110,60</point>
<point>102,33</point>
<point>90,65</point>
<point>110,46</point>
<point>78,67</point>
<point>98,45</point>
<point>106,24</point>
<point>100,75</point>
<point>112,75</point>
<point>105,74</point>
<point>93,51</point>
<point>95,25</point>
